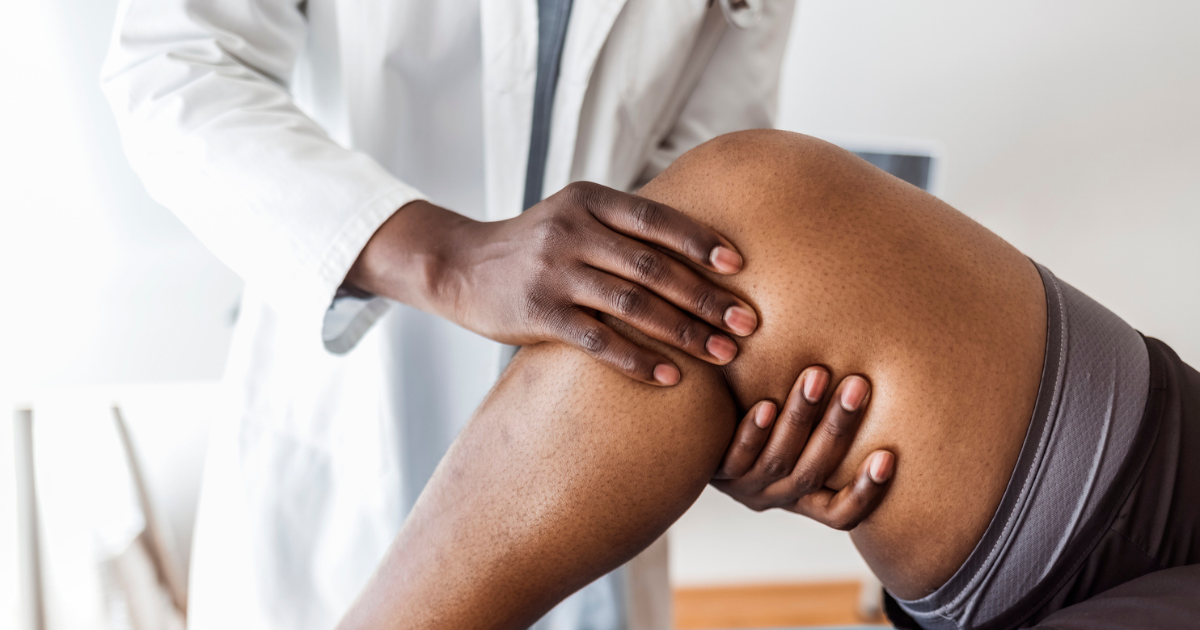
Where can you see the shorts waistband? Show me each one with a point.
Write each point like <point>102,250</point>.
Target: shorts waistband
<point>1094,386</point>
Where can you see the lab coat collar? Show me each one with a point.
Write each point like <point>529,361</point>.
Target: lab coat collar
<point>509,44</point>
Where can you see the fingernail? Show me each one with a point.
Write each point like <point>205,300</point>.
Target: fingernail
<point>881,466</point>
<point>666,374</point>
<point>742,321</point>
<point>726,260</point>
<point>764,415</point>
<point>814,385</point>
<point>721,347</point>
<point>853,393</point>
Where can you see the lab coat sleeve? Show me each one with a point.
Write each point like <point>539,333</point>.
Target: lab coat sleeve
<point>199,89</point>
<point>739,88</point>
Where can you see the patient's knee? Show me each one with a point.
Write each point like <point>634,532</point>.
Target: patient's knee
<point>768,159</point>
<point>757,178</point>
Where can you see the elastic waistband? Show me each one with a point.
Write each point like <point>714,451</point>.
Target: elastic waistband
<point>1093,391</point>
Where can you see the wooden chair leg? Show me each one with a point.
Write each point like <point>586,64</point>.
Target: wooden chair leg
<point>160,543</point>
<point>28,526</point>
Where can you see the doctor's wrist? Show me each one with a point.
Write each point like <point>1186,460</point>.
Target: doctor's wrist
<point>406,259</point>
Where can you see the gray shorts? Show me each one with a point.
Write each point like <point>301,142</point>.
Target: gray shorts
<point>1105,493</point>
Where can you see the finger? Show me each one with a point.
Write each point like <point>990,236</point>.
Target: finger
<point>848,507</point>
<point>747,442</point>
<point>672,280</point>
<point>614,350</point>
<point>792,428</point>
<point>652,315</point>
<point>831,438</point>
<point>657,223</point>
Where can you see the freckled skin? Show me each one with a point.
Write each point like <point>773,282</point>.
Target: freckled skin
<point>569,469</point>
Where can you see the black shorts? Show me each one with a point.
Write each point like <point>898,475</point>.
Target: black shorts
<point>1137,563</point>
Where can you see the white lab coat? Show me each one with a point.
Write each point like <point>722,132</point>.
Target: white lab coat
<point>283,133</point>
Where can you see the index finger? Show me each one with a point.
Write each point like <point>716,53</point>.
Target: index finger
<point>653,222</point>
<point>747,442</point>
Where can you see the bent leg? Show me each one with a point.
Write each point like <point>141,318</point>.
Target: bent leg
<point>566,471</point>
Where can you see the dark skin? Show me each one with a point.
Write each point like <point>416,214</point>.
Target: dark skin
<point>568,470</point>
<point>783,460</point>
<point>551,272</point>
<point>545,274</point>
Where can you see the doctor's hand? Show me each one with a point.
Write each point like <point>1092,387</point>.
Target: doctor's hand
<point>784,460</point>
<point>548,273</point>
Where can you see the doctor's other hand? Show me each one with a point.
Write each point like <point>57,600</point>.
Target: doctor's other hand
<point>784,460</point>
<point>546,274</point>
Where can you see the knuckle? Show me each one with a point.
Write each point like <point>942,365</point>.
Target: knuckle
<point>746,444</point>
<point>554,232</point>
<point>733,472</point>
<point>686,334</point>
<point>629,301</point>
<point>850,514</point>
<point>774,466</point>
<point>857,502</point>
<point>593,340</point>
<point>646,216</point>
<point>579,192</point>
<point>843,522</point>
<point>794,418</point>
<point>575,187</point>
<point>706,301</point>
<point>648,266</point>
<point>839,427</point>
<point>802,418</point>
<point>837,521</point>
<point>805,481</point>
<point>536,305</point>
<point>628,359</point>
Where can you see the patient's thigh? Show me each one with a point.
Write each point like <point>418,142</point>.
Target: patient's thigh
<point>853,269</point>
<point>567,470</point>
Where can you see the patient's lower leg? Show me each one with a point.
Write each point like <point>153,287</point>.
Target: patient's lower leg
<point>566,471</point>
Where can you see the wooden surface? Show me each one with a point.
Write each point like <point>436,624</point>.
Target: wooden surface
<point>768,606</point>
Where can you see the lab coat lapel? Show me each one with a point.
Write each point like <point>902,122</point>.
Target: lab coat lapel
<point>591,22</point>
<point>509,45</point>
<point>509,31</point>
<point>591,25</point>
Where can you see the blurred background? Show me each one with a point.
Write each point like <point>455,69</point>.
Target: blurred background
<point>1069,128</point>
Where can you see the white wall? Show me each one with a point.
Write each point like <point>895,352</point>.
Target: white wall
<point>1071,128</point>
<point>98,283</point>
